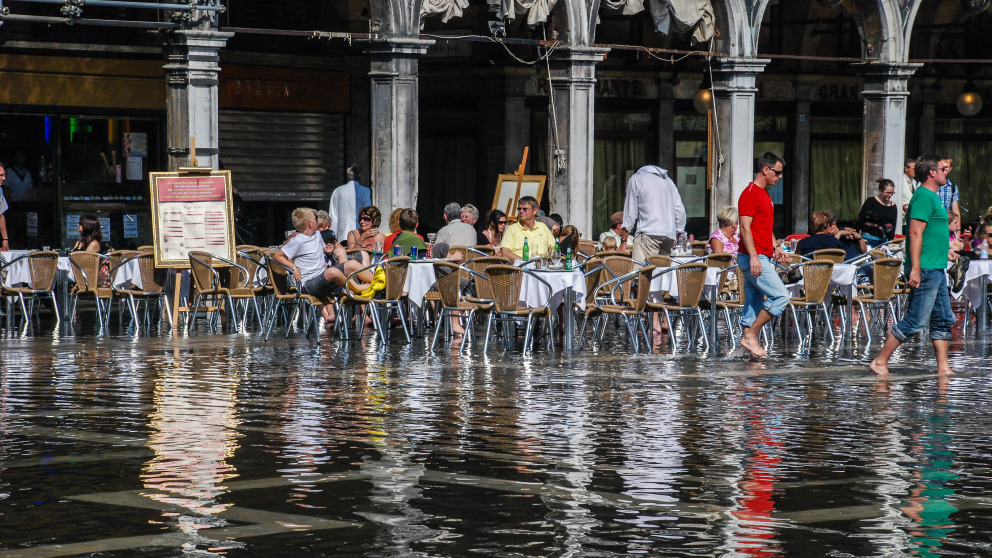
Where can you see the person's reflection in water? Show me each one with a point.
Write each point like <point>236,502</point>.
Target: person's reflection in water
<point>928,503</point>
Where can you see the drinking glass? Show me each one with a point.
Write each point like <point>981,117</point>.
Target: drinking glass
<point>431,237</point>
<point>378,247</point>
<point>45,248</point>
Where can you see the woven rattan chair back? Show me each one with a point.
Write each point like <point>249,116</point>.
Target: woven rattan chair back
<point>487,250</point>
<point>395,269</point>
<point>885,276</point>
<point>479,265</point>
<point>250,264</point>
<point>448,278</point>
<point>250,248</point>
<point>279,278</point>
<point>86,271</point>
<point>877,254</point>
<point>593,280</point>
<point>691,279</point>
<point>505,282</point>
<point>619,265</point>
<point>719,259</point>
<point>152,278</point>
<point>794,259</point>
<point>608,253</point>
<point>463,250</point>
<point>588,247</point>
<point>643,287</point>
<point>118,256</point>
<point>699,247</point>
<point>659,260</point>
<point>816,279</point>
<point>835,255</point>
<point>146,248</point>
<point>44,266</point>
<point>201,270</point>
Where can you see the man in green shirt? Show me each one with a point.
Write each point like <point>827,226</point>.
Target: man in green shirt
<point>928,246</point>
<point>408,237</point>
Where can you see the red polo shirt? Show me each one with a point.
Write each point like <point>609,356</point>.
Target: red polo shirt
<point>756,203</point>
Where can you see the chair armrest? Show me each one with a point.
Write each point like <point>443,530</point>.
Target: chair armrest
<point>243,269</point>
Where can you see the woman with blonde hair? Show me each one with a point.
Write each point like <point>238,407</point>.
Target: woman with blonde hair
<point>725,239</point>
<point>394,227</point>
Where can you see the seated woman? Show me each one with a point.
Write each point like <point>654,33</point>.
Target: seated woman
<point>569,239</point>
<point>826,234</point>
<point>91,240</point>
<point>726,238</point>
<point>394,228</point>
<point>954,230</point>
<point>367,233</point>
<point>495,226</point>
<point>877,218</point>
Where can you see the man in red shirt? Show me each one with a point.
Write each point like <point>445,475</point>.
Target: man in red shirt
<point>757,248</point>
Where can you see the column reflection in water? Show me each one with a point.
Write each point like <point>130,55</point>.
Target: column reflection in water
<point>304,413</point>
<point>193,437</point>
<point>395,477</point>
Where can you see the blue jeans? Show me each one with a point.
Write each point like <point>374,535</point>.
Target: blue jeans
<point>931,299</point>
<point>768,284</point>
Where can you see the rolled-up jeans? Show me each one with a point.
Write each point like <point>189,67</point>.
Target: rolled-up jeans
<point>756,289</point>
<point>930,300</point>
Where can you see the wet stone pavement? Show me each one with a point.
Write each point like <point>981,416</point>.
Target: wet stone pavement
<point>220,444</point>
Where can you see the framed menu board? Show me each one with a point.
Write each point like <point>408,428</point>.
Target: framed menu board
<point>191,211</point>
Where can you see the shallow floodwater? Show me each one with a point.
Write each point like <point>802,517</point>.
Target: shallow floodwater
<point>202,445</point>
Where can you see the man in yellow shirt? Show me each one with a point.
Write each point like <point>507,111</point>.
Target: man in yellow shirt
<point>538,235</point>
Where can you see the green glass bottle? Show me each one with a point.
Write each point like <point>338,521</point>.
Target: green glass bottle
<point>526,250</point>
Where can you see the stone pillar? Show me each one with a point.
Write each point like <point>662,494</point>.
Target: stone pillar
<point>734,89</point>
<point>800,161</point>
<point>571,127</point>
<point>885,98</point>
<point>192,72</point>
<point>395,122</point>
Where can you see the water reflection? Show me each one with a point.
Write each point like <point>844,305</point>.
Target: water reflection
<point>305,435</point>
<point>193,435</point>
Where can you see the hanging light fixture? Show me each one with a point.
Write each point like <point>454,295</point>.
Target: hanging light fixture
<point>703,101</point>
<point>975,7</point>
<point>969,101</point>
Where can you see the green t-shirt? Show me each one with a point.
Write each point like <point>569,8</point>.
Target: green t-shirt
<point>405,240</point>
<point>927,207</point>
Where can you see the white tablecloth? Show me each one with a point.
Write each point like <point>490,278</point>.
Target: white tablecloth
<point>668,283</point>
<point>420,277</point>
<point>128,275</point>
<point>533,293</point>
<point>972,291</point>
<point>20,272</point>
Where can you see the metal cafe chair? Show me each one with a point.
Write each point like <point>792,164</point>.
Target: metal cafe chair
<point>286,294</point>
<point>634,311</point>
<point>43,268</point>
<point>86,272</point>
<point>395,270</point>
<point>691,280</point>
<point>506,282</point>
<point>885,276</point>
<point>212,294</point>
<point>593,271</point>
<point>449,278</point>
<point>151,290</point>
<point>816,284</point>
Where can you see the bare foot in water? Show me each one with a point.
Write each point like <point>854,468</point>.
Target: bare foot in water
<point>878,367</point>
<point>752,344</point>
<point>946,372</point>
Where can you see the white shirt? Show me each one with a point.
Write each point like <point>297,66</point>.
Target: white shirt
<point>909,185</point>
<point>19,188</point>
<point>307,252</point>
<point>343,210</point>
<point>654,203</point>
<point>457,233</point>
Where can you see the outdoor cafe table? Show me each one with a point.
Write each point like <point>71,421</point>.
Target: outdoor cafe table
<point>566,286</point>
<point>844,276</point>
<point>976,282</point>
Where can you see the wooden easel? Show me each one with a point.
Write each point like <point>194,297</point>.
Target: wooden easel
<point>520,179</point>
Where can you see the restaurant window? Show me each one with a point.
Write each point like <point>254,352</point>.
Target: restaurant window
<point>690,170</point>
<point>835,166</point>
<point>624,143</point>
<point>27,149</point>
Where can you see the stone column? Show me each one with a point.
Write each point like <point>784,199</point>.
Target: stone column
<point>571,127</point>
<point>192,72</point>
<point>800,160</point>
<point>885,98</point>
<point>395,122</point>
<point>734,90</point>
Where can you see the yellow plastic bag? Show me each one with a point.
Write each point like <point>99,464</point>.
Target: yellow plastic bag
<point>378,283</point>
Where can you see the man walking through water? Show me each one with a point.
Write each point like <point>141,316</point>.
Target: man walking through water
<point>928,248</point>
<point>757,248</point>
